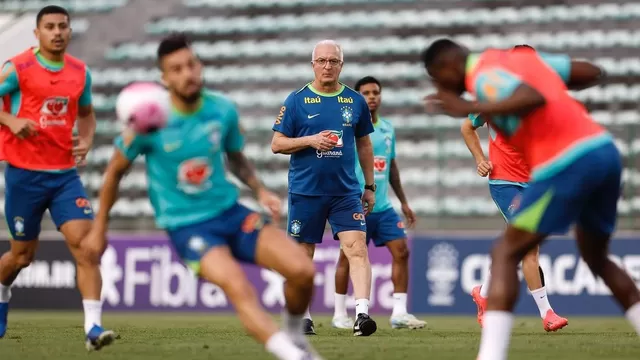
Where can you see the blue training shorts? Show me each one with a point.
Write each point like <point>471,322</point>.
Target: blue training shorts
<point>585,192</point>
<point>238,228</point>
<point>506,197</point>
<point>28,194</point>
<point>384,226</point>
<point>308,216</point>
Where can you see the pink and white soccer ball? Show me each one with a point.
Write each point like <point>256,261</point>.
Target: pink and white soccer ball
<point>143,107</point>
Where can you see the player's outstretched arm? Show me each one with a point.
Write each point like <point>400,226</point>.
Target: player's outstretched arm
<point>584,75</point>
<point>117,167</point>
<point>244,170</point>
<point>522,101</point>
<point>471,138</point>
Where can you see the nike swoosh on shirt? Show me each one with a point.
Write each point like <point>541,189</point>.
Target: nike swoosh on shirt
<point>312,116</point>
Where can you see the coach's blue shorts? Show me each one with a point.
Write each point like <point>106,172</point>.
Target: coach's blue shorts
<point>28,194</point>
<point>586,192</point>
<point>308,216</point>
<point>506,197</point>
<point>384,226</point>
<point>238,228</point>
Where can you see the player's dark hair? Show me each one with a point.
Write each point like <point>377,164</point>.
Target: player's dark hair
<point>524,46</point>
<point>367,80</point>
<point>51,10</point>
<point>431,55</point>
<point>171,44</point>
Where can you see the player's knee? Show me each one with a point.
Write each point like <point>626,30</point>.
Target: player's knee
<point>531,260</point>
<point>401,253</point>
<point>355,250</point>
<point>23,260</point>
<point>24,257</point>
<point>596,262</point>
<point>304,272</point>
<point>89,254</point>
<point>238,290</point>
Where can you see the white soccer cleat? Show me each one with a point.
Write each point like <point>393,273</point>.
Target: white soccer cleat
<point>342,322</point>
<point>406,321</point>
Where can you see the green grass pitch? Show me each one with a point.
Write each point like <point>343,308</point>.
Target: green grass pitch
<point>169,336</point>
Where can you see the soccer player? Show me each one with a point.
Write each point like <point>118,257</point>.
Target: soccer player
<point>198,207</point>
<point>44,90</point>
<point>508,176</point>
<point>526,101</point>
<point>321,125</point>
<point>384,225</point>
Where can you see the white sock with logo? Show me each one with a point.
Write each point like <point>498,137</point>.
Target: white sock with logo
<point>362,306</point>
<point>496,334</point>
<point>399,304</point>
<point>5,293</point>
<point>340,310</point>
<point>484,289</point>
<point>92,314</point>
<point>282,347</point>
<point>633,315</point>
<point>542,300</point>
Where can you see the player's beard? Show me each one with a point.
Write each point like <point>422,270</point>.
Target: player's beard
<point>191,98</point>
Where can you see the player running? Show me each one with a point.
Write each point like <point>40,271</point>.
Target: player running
<point>508,176</point>
<point>384,225</point>
<point>198,206</point>
<point>526,101</point>
<point>44,90</point>
<point>321,126</point>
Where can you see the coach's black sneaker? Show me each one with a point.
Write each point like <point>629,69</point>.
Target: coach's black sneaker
<point>364,326</point>
<point>308,327</point>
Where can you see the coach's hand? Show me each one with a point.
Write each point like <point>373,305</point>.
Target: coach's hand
<point>485,168</point>
<point>272,202</point>
<point>23,128</point>
<point>80,149</point>
<point>368,201</point>
<point>322,141</point>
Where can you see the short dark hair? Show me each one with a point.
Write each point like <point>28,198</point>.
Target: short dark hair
<point>367,80</point>
<point>432,54</point>
<point>50,10</point>
<point>524,46</point>
<point>171,44</point>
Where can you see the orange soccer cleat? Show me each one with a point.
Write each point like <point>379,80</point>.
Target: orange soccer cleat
<point>553,322</point>
<point>481,302</point>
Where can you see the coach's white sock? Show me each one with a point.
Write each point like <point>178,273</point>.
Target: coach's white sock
<point>282,347</point>
<point>399,304</point>
<point>633,315</point>
<point>92,314</point>
<point>484,289</point>
<point>340,310</point>
<point>5,293</point>
<point>362,306</point>
<point>496,334</point>
<point>542,300</point>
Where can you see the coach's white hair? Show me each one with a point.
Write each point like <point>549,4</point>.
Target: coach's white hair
<point>328,42</point>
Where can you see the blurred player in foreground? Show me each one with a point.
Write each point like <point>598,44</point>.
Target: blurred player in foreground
<point>198,206</point>
<point>508,176</point>
<point>384,225</point>
<point>44,90</point>
<point>321,126</point>
<point>526,101</point>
